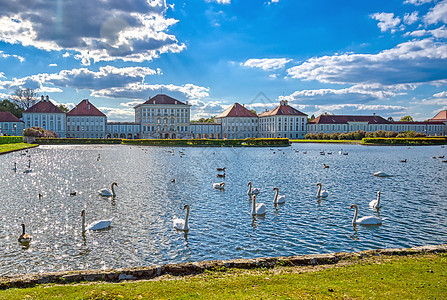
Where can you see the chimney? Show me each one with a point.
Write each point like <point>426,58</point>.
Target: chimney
<point>48,98</point>
<point>186,102</point>
<point>374,114</point>
<point>42,98</point>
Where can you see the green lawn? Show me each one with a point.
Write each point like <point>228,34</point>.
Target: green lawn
<point>5,148</point>
<point>381,277</point>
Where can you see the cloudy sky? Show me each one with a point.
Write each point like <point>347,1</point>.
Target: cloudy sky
<point>387,57</point>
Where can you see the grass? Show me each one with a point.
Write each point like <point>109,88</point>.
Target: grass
<point>5,148</point>
<point>327,141</point>
<point>381,277</point>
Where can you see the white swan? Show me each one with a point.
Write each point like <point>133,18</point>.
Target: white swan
<point>181,224</point>
<point>375,203</point>
<point>97,225</point>
<point>258,209</point>
<point>252,190</point>
<point>321,193</point>
<point>368,220</point>
<point>107,192</point>
<point>278,199</point>
<point>24,237</point>
<point>219,186</point>
<point>382,174</point>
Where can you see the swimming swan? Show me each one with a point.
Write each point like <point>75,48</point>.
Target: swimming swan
<point>252,190</point>
<point>278,199</point>
<point>219,186</point>
<point>181,224</point>
<point>321,193</point>
<point>375,203</point>
<point>258,209</point>
<point>97,225</point>
<point>382,174</point>
<point>107,192</point>
<point>368,220</point>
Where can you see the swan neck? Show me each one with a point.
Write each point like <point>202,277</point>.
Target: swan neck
<point>354,220</point>
<point>276,196</point>
<point>378,200</point>
<point>186,219</point>
<point>83,222</point>
<point>253,208</point>
<point>23,228</point>
<point>319,191</point>
<point>113,190</point>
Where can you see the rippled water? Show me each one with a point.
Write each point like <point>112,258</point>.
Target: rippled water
<point>414,201</point>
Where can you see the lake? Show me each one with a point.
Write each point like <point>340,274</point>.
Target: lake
<point>414,202</point>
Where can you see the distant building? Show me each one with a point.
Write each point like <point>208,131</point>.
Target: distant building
<point>46,115</point>
<point>123,130</point>
<point>205,130</point>
<point>86,121</point>
<point>238,122</point>
<point>10,124</point>
<point>163,117</point>
<point>344,124</point>
<point>283,121</point>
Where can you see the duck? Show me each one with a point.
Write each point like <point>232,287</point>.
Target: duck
<point>107,193</point>
<point>27,171</point>
<point>181,224</point>
<point>73,194</point>
<point>221,175</point>
<point>219,186</point>
<point>442,156</point>
<point>40,196</point>
<point>257,209</point>
<point>221,169</point>
<point>403,160</point>
<point>173,180</point>
<point>326,166</point>
<point>368,220</point>
<point>321,193</point>
<point>96,225</point>
<point>252,190</point>
<point>375,203</point>
<point>279,199</point>
<point>24,237</point>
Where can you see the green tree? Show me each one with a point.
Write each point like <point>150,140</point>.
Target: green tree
<point>63,108</point>
<point>406,119</point>
<point>24,98</point>
<point>13,108</point>
<point>254,111</point>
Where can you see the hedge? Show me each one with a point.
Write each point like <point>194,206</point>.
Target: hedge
<point>210,142</point>
<point>405,141</point>
<point>76,141</point>
<point>11,139</point>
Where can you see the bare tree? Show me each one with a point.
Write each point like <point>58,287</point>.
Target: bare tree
<point>24,98</point>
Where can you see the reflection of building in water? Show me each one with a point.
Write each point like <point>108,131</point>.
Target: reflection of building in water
<point>163,117</point>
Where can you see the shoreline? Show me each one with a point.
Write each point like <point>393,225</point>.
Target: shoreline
<point>195,268</point>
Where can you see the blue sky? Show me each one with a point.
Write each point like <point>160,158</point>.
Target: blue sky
<point>342,57</point>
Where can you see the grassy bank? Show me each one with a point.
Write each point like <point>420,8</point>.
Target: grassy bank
<point>6,148</point>
<point>327,141</point>
<point>381,277</point>
<point>405,141</point>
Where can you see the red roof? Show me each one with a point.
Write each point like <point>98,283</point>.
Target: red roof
<point>333,119</point>
<point>44,106</point>
<point>163,99</point>
<point>237,110</point>
<point>6,116</point>
<point>85,108</point>
<point>441,116</point>
<point>282,110</point>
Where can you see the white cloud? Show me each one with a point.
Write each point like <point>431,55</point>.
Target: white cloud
<point>118,114</point>
<point>5,55</point>
<point>266,64</point>
<point>52,65</point>
<point>417,2</point>
<point>387,21</point>
<point>411,18</point>
<point>439,33</point>
<point>142,91</point>
<point>110,30</point>
<point>220,1</point>
<point>413,62</point>
<point>131,103</point>
<point>205,108</point>
<point>437,14</point>
<point>440,95</point>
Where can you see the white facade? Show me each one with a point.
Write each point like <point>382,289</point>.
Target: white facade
<point>205,131</point>
<point>46,115</point>
<point>163,117</point>
<point>86,126</point>
<point>239,127</point>
<point>124,130</point>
